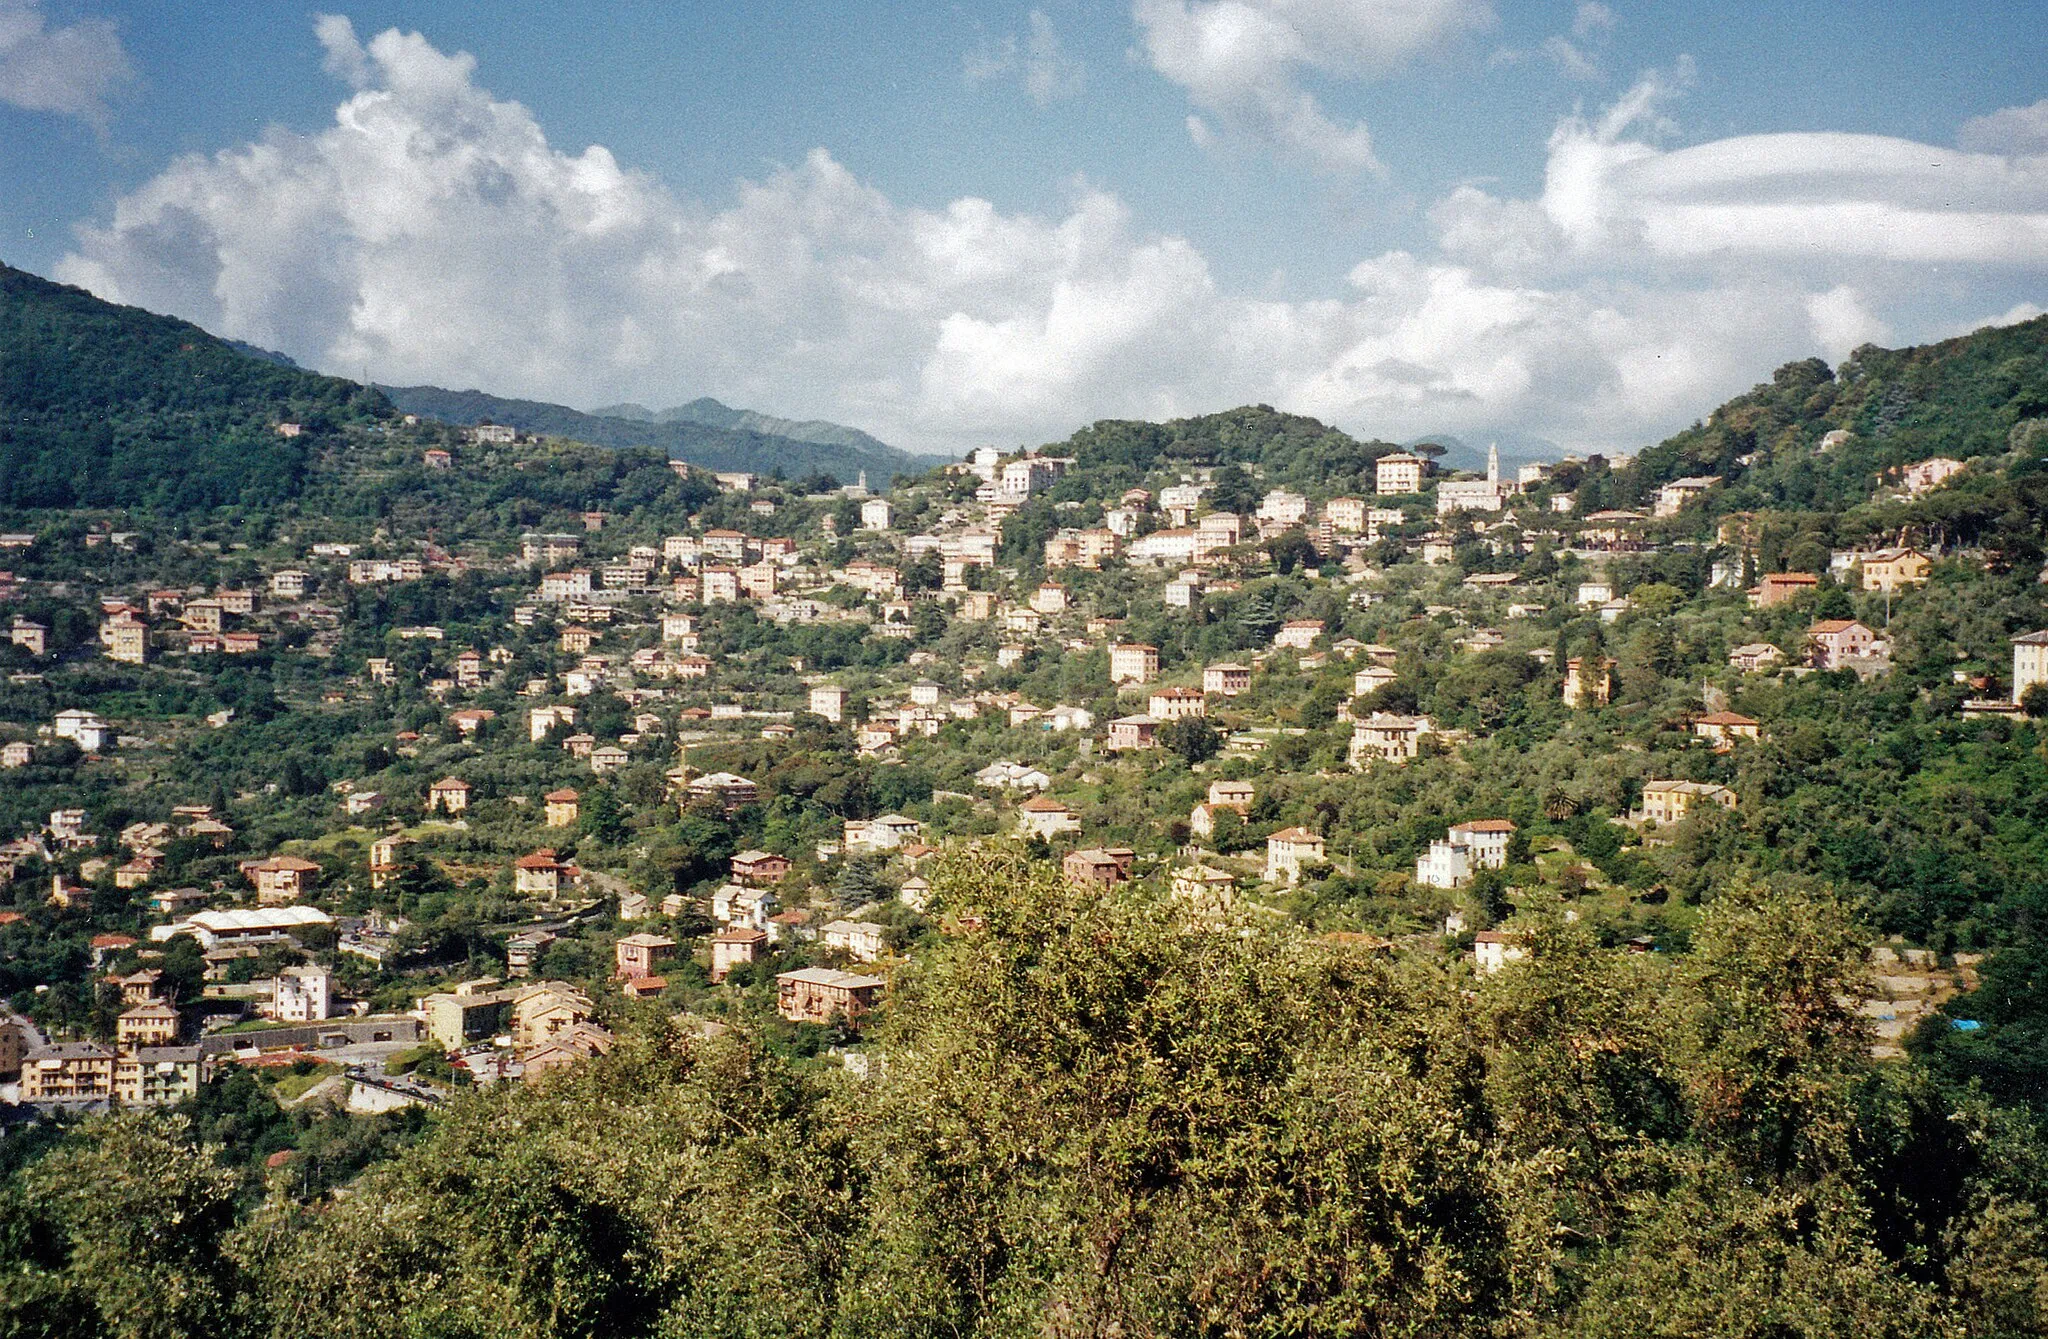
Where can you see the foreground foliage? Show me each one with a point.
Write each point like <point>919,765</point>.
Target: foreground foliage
<point>1088,1114</point>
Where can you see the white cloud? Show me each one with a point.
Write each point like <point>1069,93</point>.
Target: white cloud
<point>72,71</point>
<point>1241,62</point>
<point>1590,18</point>
<point>1046,69</point>
<point>2012,130</point>
<point>433,234</point>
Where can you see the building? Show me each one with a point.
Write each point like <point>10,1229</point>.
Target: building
<point>155,1076</point>
<point>1227,680</point>
<point>1487,839</point>
<point>303,994</point>
<point>759,869</point>
<point>1400,473</point>
<point>887,833</point>
<point>1927,475</point>
<point>1046,818</point>
<point>1495,949</point>
<point>822,994</point>
<point>1755,656</point>
<point>1299,633</point>
<point>244,926</point>
<point>1588,685</point>
<point>1833,643</point>
<point>1672,497</point>
<point>281,879</point>
<point>1388,737</point>
<point>734,946</point>
<point>564,808</point>
<point>1173,704</point>
<point>539,874</point>
<point>30,636</point>
<point>1890,570</point>
<point>72,1072</point>
<point>1724,728</point>
<point>863,941</point>
<point>1447,864</point>
<point>2029,662</point>
<point>1132,732</point>
<point>1782,587</point>
<point>1290,850</point>
<point>1208,890</point>
<point>1673,801</point>
<point>146,1025</point>
<point>829,700</point>
<point>449,795</point>
<point>1133,662</point>
<point>641,955</point>
<point>1097,866</point>
<point>126,639</point>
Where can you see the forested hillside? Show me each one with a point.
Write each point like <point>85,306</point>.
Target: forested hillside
<point>104,406</point>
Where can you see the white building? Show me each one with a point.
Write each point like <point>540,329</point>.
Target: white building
<point>303,995</point>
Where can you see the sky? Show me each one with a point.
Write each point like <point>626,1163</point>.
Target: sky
<point>1586,222</point>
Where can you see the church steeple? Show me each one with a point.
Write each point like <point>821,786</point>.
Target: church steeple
<point>1493,463</point>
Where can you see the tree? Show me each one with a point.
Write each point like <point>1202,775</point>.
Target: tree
<point>1192,738</point>
<point>601,816</point>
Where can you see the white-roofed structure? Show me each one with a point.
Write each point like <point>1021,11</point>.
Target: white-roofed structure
<point>242,925</point>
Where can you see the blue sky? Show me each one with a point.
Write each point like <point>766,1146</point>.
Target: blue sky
<point>1587,222</point>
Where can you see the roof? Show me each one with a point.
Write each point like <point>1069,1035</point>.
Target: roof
<point>2031,639</point>
<point>738,934</point>
<point>1039,804</point>
<point>450,783</point>
<point>1795,578</point>
<point>645,940</point>
<point>1725,718</point>
<point>1295,835</point>
<point>826,976</point>
<point>1829,626</point>
<point>1484,825</point>
<point>284,864</point>
<point>259,918</point>
<point>563,796</point>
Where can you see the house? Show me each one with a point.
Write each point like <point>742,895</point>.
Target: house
<point>153,1076</point>
<point>1495,949</point>
<point>734,946</point>
<point>1927,475</point>
<point>1236,795</point>
<point>879,834</point>
<point>1588,685</point>
<point>1890,570</point>
<point>726,789</point>
<point>641,955</point>
<point>1282,507</point>
<point>288,583</point>
<point>1834,642</point>
<point>1133,662</point>
<point>1673,801</point>
<point>1011,776</point>
<point>563,808</point>
<point>1097,866</point>
<point>282,879</point>
<point>1755,656</point>
<point>539,874</point>
<point>30,636</point>
<point>735,904</point>
<point>302,994</point>
<point>1487,839</point>
<point>1174,704</point>
<point>1299,633</point>
<point>1288,851</point>
<point>1227,680</point>
<point>608,758</point>
<point>1046,818</point>
<point>861,940</point>
<point>70,1072</point>
<point>1346,515</point>
<point>759,869</point>
<point>1447,864</point>
<point>1132,732</point>
<point>146,1025</point>
<point>1388,737</point>
<point>449,795</point>
<point>523,950</point>
<point>1400,473</point>
<point>2029,662</point>
<point>821,994</point>
<point>1371,679</point>
<point>1781,588</point>
<point>1724,728</point>
<point>1672,497</point>
<point>829,700</point>
<point>1205,888</point>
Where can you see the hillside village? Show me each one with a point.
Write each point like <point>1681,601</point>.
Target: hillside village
<point>443,760</point>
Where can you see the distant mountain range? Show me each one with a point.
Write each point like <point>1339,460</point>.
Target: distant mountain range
<point>704,432</point>
<point>713,414</point>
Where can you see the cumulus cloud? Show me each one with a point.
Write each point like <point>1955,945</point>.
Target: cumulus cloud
<point>2013,130</point>
<point>1040,62</point>
<point>432,233</point>
<point>1241,62</point>
<point>71,71</point>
